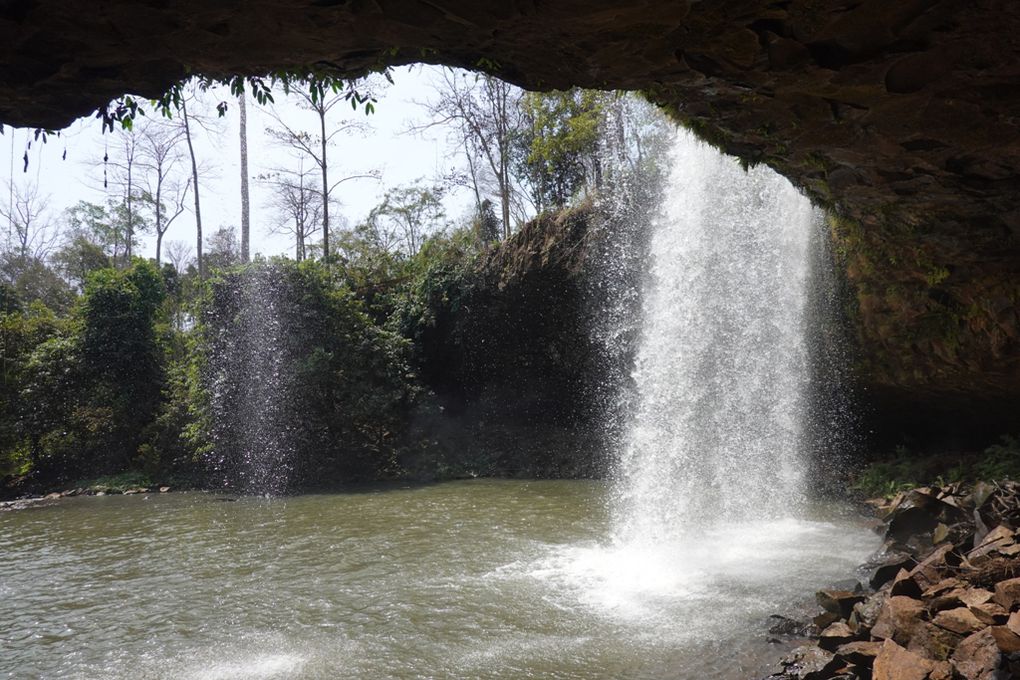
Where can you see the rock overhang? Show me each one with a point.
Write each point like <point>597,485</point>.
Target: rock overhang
<point>902,116</point>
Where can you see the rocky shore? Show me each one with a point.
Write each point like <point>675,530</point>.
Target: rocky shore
<point>100,490</point>
<point>942,598</point>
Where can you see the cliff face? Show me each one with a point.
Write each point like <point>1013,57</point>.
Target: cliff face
<point>507,348</point>
<point>901,116</point>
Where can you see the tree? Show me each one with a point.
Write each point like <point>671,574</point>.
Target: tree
<point>296,200</point>
<point>179,254</point>
<point>412,212</point>
<point>29,231</point>
<point>188,122</point>
<point>486,115</point>
<point>161,159</point>
<point>321,98</point>
<point>245,214</point>
<point>121,171</point>
<point>224,249</point>
<point>560,148</point>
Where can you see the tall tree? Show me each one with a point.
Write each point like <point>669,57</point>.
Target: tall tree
<point>161,158</point>
<point>485,113</point>
<point>321,98</point>
<point>120,172</point>
<point>245,215</point>
<point>296,202</point>
<point>192,122</point>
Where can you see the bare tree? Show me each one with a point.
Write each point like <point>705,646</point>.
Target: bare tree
<point>296,200</point>
<point>321,102</point>
<point>190,122</point>
<point>161,158</point>
<point>120,172</point>
<point>30,232</point>
<point>486,115</point>
<point>179,254</point>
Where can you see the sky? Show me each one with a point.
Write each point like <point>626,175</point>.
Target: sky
<point>387,146</point>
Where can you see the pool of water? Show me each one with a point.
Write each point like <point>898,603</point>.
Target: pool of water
<point>474,579</point>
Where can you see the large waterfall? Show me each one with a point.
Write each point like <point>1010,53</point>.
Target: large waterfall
<point>722,362</point>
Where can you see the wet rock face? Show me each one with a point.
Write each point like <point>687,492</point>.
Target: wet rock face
<point>902,115</point>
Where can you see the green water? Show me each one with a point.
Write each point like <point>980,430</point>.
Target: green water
<point>479,579</point>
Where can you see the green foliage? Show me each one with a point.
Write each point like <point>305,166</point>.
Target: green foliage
<point>904,469</point>
<point>341,385</point>
<point>562,141</point>
<point>1000,461</point>
<point>320,81</point>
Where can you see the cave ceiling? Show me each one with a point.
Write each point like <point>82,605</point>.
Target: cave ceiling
<point>900,114</point>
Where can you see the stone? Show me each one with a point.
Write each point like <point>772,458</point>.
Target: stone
<point>836,635</point>
<point>896,663</point>
<point>787,627</point>
<point>933,642</point>
<point>960,621</point>
<point>839,602</point>
<point>1014,622</point>
<point>1006,640</point>
<point>989,613</point>
<point>810,663</point>
<point>866,613</point>
<point>1007,593</point>
<point>860,653</point>
<point>888,566</point>
<point>898,618</point>
<point>164,489</point>
<point>977,657</point>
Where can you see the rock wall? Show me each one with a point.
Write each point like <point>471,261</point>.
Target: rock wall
<point>900,116</point>
<point>507,350</point>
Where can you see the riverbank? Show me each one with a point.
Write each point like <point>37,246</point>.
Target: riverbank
<point>942,598</point>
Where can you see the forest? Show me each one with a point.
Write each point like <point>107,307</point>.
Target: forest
<point>121,370</point>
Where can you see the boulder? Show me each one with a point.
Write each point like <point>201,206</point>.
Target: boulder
<point>1006,640</point>
<point>977,657</point>
<point>839,602</point>
<point>886,567</point>
<point>933,642</point>
<point>989,613</point>
<point>861,653</point>
<point>896,663</point>
<point>836,635</point>
<point>960,621</point>
<point>1007,593</point>
<point>898,618</point>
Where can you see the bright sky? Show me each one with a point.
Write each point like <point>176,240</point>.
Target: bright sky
<point>400,156</point>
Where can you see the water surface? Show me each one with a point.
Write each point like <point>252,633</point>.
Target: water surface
<point>479,579</point>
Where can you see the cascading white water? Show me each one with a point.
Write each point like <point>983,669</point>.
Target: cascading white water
<point>722,361</point>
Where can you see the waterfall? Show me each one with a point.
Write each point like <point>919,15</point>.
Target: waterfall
<point>717,421</point>
<point>250,378</point>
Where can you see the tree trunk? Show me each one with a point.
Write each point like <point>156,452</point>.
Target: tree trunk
<point>159,212</point>
<point>245,223</point>
<point>194,177</point>
<point>325,184</point>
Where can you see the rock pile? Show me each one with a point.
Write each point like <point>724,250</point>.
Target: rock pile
<point>943,601</point>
